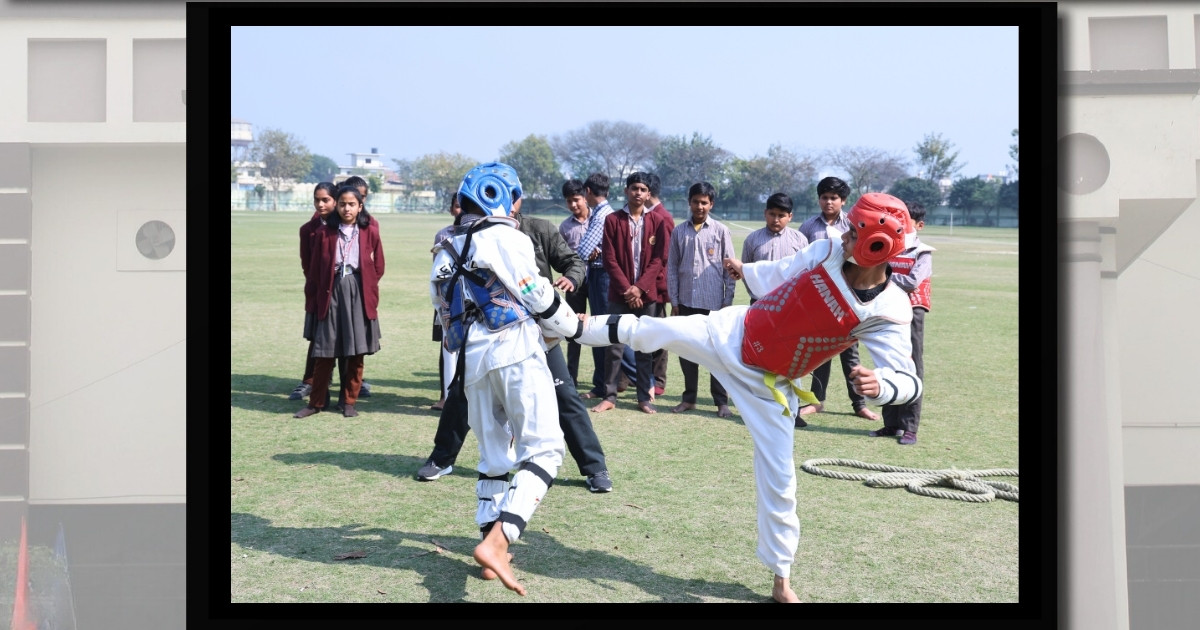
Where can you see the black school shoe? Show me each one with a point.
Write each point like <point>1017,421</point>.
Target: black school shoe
<point>888,432</point>
<point>306,412</point>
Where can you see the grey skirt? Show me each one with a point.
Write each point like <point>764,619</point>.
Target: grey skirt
<point>346,331</point>
<point>310,325</point>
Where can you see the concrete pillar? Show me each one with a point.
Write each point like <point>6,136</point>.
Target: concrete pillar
<point>1088,591</point>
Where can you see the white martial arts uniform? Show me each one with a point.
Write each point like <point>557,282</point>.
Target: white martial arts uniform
<point>509,388</point>
<point>715,341</point>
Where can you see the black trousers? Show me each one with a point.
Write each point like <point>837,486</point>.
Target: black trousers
<point>820,377</point>
<point>908,417</point>
<point>644,360</point>
<point>578,433</point>
<point>577,300</point>
<point>691,371</point>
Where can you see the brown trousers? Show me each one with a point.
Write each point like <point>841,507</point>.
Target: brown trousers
<point>351,378</point>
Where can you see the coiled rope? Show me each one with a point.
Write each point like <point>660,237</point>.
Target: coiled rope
<point>919,481</point>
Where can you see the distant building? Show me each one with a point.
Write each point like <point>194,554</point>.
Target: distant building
<point>372,163</point>
<point>241,138</point>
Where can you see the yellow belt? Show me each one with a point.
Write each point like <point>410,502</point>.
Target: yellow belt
<point>770,378</point>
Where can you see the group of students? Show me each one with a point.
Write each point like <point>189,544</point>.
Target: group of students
<point>500,319</point>
<point>341,255</point>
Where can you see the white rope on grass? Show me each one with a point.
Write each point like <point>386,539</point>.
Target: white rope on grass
<point>967,483</point>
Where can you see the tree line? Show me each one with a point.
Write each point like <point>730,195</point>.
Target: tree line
<point>620,148</point>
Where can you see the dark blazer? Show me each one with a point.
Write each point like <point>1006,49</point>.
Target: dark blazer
<point>618,254</point>
<point>324,246</point>
<point>306,232</point>
<point>551,250</point>
<point>663,297</point>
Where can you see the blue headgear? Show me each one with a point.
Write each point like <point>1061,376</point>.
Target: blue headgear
<point>494,186</point>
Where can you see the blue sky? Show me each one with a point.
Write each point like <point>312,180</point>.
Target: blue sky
<point>410,91</point>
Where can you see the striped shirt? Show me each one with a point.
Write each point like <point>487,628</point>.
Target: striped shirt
<point>696,275</point>
<point>594,235</point>
<point>572,231</point>
<point>763,244</point>
<point>814,228</point>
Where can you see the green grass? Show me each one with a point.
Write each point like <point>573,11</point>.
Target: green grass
<point>680,523</point>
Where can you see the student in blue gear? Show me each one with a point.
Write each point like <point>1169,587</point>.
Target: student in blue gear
<point>496,310</point>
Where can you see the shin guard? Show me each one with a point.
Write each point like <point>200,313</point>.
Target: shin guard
<point>489,491</point>
<point>528,487</point>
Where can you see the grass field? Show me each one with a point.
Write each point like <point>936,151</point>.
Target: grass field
<point>680,523</point>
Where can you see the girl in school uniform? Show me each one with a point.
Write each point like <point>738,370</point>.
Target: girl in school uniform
<point>324,204</point>
<point>345,268</point>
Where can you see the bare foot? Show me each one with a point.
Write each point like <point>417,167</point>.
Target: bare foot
<point>681,407</point>
<point>489,574</point>
<point>647,407</point>
<point>782,591</point>
<point>493,554</point>
<point>866,413</point>
<point>723,411</point>
<point>811,409</point>
<point>604,405</point>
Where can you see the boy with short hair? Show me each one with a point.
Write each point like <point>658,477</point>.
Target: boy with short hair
<point>635,251</point>
<point>913,269</point>
<point>775,242</point>
<point>486,284</point>
<point>665,296</point>
<point>595,192</point>
<point>828,295</point>
<point>699,282</point>
<point>572,230</point>
<point>831,196</point>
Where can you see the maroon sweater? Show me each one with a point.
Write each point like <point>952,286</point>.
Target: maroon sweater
<point>324,245</point>
<point>618,254</point>
<point>663,297</point>
<point>306,232</point>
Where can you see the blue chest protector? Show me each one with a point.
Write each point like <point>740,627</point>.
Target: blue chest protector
<point>469,296</point>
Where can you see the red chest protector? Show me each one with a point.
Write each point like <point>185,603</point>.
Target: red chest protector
<point>903,264</point>
<point>798,326</point>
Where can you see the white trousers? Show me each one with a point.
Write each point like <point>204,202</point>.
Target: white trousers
<point>514,414</point>
<point>715,341</point>
<point>449,363</point>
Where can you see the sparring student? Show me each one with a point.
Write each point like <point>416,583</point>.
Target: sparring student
<point>495,306</point>
<point>814,304</point>
<point>913,270</point>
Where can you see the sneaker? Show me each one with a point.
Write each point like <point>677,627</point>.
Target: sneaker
<point>909,438</point>
<point>302,391</point>
<point>431,471</point>
<point>365,390</point>
<point>886,432</point>
<point>599,482</point>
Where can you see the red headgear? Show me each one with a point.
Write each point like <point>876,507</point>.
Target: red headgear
<point>880,220</point>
